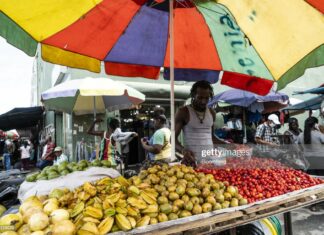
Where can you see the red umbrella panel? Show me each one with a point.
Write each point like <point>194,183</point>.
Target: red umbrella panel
<point>131,38</point>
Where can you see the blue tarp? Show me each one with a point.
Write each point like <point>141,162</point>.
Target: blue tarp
<point>245,98</point>
<point>311,104</point>
<point>318,90</point>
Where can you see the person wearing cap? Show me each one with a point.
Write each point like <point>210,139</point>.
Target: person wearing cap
<point>291,135</point>
<point>160,142</point>
<point>48,154</point>
<point>59,156</point>
<point>265,131</point>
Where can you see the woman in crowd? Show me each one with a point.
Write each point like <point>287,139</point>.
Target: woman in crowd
<point>312,142</point>
<point>311,136</point>
<point>111,140</point>
<point>159,145</point>
<point>25,151</point>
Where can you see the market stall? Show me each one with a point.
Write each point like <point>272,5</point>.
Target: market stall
<point>164,199</point>
<point>242,108</point>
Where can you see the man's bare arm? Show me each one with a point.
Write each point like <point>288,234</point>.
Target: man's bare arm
<point>180,121</point>
<point>215,139</point>
<point>91,130</point>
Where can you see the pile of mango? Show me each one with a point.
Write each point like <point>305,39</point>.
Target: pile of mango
<point>52,172</point>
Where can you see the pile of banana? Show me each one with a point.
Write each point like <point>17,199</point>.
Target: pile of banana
<point>160,193</point>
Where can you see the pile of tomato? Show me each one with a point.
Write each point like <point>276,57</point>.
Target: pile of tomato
<point>260,178</point>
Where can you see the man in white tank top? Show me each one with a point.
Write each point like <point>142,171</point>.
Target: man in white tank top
<point>197,123</point>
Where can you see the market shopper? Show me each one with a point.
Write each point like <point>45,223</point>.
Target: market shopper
<point>7,154</point>
<point>122,140</point>
<point>197,123</point>
<point>25,151</point>
<point>111,140</point>
<point>291,135</point>
<point>312,137</point>
<point>312,142</point>
<point>48,154</point>
<point>265,133</point>
<point>160,146</point>
<point>59,156</point>
<point>312,134</point>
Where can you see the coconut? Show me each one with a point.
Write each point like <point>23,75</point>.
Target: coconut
<point>29,212</point>
<point>59,215</point>
<point>38,221</point>
<point>64,227</point>
<point>50,207</point>
<point>35,202</point>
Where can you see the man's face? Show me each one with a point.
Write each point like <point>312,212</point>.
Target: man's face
<point>294,126</point>
<point>201,99</point>
<point>58,153</point>
<point>156,123</point>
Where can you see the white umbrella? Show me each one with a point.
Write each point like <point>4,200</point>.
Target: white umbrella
<point>88,95</point>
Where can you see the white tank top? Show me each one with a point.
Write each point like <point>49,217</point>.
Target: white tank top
<point>197,135</point>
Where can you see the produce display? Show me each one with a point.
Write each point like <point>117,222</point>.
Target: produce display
<point>37,217</point>
<point>260,178</point>
<point>158,194</point>
<point>52,172</point>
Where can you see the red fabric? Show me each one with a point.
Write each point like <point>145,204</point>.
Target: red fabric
<point>318,4</point>
<point>194,47</point>
<point>132,70</point>
<point>50,151</point>
<point>245,82</point>
<point>96,33</point>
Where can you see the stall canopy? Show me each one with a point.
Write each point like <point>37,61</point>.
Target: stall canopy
<point>310,104</point>
<point>19,118</point>
<point>318,90</point>
<point>250,100</point>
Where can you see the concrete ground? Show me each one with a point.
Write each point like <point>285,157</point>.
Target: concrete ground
<point>306,221</point>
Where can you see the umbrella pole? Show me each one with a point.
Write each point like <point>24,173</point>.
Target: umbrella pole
<point>244,124</point>
<point>94,119</point>
<point>171,33</point>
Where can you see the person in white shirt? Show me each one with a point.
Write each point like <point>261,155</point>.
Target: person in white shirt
<point>25,151</point>
<point>59,156</point>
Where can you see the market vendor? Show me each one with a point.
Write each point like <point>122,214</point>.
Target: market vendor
<point>59,156</point>
<point>197,123</point>
<point>160,147</point>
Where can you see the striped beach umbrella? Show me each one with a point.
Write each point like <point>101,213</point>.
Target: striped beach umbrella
<point>248,44</point>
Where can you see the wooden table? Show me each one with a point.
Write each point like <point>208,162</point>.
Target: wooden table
<point>230,220</point>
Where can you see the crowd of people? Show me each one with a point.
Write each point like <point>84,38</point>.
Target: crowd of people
<point>20,153</point>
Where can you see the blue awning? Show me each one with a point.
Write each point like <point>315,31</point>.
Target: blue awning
<point>311,104</point>
<point>318,90</point>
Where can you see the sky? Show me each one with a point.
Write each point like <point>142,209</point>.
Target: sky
<point>15,77</point>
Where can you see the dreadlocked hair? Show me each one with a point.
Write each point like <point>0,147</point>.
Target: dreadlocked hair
<point>201,84</point>
<point>309,124</point>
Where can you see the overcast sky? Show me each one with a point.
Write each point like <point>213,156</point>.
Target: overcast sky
<point>15,77</point>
